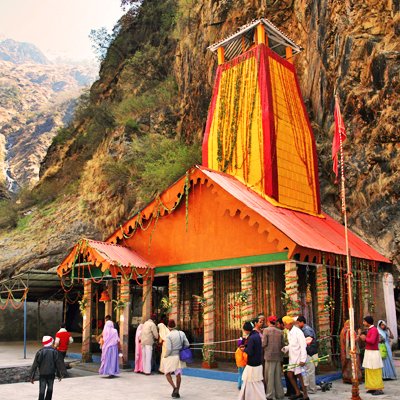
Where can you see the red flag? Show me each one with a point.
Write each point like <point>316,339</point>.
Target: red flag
<point>340,133</point>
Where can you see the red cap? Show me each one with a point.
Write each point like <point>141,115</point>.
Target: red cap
<point>272,319</point>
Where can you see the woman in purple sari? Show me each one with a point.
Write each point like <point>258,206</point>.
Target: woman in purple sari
<point>109,351</point>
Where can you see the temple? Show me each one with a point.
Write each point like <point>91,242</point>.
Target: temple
<point>244,232</point>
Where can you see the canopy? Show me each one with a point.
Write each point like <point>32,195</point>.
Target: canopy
<point>109,258</point>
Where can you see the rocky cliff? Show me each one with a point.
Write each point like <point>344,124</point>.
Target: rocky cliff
<point>36,99</point>
<point>155,86</point>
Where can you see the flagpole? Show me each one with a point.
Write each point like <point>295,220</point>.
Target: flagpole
<point>355,392</point>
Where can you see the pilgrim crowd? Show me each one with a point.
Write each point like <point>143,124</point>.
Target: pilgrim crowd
<point>290,345</point>
<point>268,348</point>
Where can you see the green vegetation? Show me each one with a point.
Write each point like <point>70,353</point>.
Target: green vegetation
<point>8,215</point>
<point>23,222</point>
<point>161,95</point>
<point>160,161</point>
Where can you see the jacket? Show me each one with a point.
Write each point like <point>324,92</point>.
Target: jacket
<point>240,358</point>
<point>312,348</point>
<point>372,339</point>
<point>48,362</point>
<point>149,333</point>
<point>272,343</point>
<point>175,341</point>
<point>254,349</point>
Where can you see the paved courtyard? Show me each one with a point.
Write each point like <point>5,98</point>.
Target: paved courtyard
<point>86,384</point>
<point>136,386</point>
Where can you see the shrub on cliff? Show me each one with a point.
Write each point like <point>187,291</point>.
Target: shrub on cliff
<point>8,215</point>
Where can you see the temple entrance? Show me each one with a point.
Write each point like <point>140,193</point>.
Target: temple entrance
<point>268,284</point>
<point>228,312</point>
<point>190,309</point>
<point>307,293</point>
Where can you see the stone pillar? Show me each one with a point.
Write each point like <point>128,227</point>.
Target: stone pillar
<point>323,313</point>
<point>173,294</point>
<point>147,299</point>
<point>291,289</point>
<point>87,321</point>
<point>124,319</point>
<point>246,282</point>
<point>208,317</point>
<point>108,304</point>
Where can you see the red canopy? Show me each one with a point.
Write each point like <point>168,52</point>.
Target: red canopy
<point>107,256</point>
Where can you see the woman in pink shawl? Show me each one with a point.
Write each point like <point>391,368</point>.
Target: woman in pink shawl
<point>109,351</point>
<point>138,350</point>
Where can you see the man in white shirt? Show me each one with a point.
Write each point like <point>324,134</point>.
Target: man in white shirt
<point>297,356</point>
<point>148,335</point>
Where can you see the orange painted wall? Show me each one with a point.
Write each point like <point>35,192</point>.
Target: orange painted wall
<point>212,233</point>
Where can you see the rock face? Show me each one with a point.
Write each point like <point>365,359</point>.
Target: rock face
<point>21,53</point>
<point>36,99</point>
<point>350,47</point>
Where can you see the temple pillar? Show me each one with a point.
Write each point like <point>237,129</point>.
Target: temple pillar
<point>291,289</point>
<point>208,318</point>
<point>260,34</point>
<point>108,304</point>
<point>323,312</point>
<point>246,282</point>
<point>173,294</point>
<point>289,54</point>
<point>87,320</point>
<point>147,299</point>
<point>221,55</point>
<point>124,319</point>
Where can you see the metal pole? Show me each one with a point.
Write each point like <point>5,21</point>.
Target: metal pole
<point>25,328</point>
<point>355,393</point>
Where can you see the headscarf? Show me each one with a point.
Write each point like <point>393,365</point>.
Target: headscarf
<point>382,332</point>
<point>110,336</point>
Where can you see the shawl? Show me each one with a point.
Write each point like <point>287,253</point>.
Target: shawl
<point>110,336</point>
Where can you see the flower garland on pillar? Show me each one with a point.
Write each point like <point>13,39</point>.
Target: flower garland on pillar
<point>208,315</point>
<point>246,297</point>
<point>173,296</point>
<point>290,296</point>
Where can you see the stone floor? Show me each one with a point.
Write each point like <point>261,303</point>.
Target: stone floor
<point>84,383</point>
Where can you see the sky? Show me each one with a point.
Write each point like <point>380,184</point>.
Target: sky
<point>58,27</point>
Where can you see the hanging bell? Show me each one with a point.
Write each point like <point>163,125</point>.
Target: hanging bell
<point>104,296</point>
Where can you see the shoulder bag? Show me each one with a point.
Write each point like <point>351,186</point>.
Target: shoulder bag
<point>185,353</point>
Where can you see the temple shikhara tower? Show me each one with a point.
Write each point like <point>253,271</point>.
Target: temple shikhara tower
<point>258,128</point>
<point>244,232</point>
